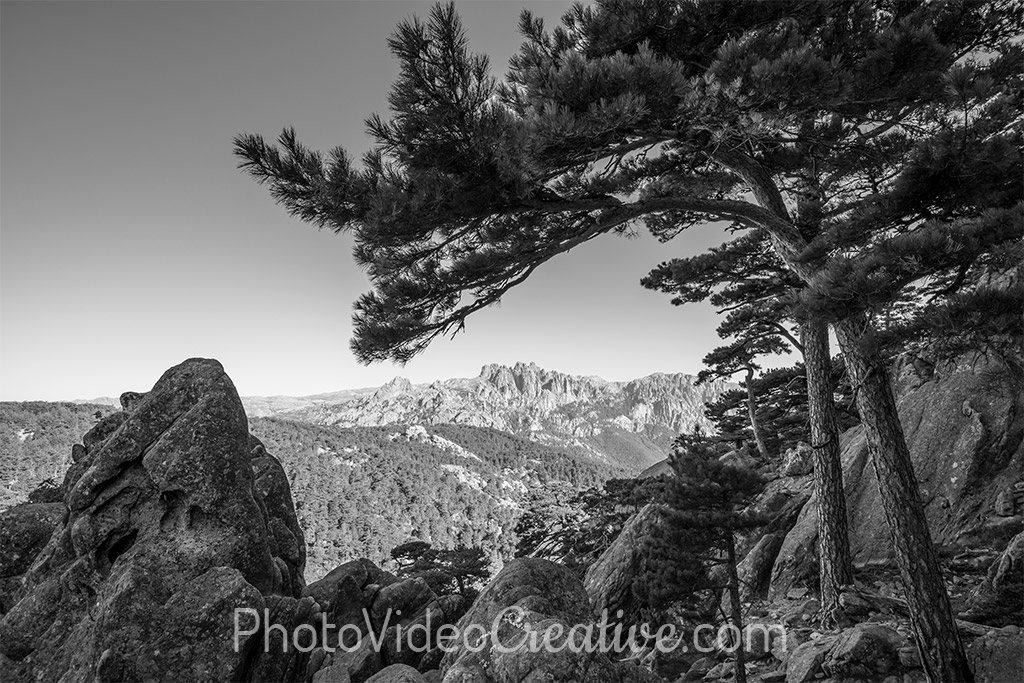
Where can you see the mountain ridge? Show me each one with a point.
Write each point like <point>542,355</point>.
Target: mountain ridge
<point>628,423</point>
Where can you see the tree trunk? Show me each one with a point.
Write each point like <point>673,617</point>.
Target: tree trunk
<point>835,568</point>
<point>752,412</point>
<point>737,614</point>
<point>931,617</point>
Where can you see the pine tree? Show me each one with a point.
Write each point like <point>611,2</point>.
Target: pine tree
<point>702,508</point>
<point>459,569</point>
<point>752,285</point>
<point>749,284</point>
<point>877,145</point>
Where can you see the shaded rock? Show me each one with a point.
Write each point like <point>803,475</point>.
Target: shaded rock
<point>965,429</point>
<point>332,674</point>
<point>758,639</point>
<point>167,534</point>
<point>340,581</point>
<point>396,673</point>
<point>755,571</point>
<point>609,581</point>
<point>997,657</point>
<point>529,595</point>
<point>786,643</point>
<point>804,662</point>
<point>401,600</point>
<point>699,669</point>
<point>361,663</point>
<point>803,611</point>
<point>414,636</point>
<point>864,651</point>
<point>723,670</point>
<point>403,614</point>
<point>129,400</point>
<point>855,605</point>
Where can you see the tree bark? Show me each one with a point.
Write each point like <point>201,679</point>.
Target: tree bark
<point>931,616</point>
<point>737,612</point>
<point>752,412</point>
<point>835,567</point>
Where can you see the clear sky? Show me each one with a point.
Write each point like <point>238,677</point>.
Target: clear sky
<point>129,241</point>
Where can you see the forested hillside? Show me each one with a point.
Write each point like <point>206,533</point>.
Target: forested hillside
<point>35,443</point>
<point>361,491</point>
<point>358,491</point>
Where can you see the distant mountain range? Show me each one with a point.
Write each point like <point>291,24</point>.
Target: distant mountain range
<point>454,461</point>
<point>624,424</point>
<point>629,425</point>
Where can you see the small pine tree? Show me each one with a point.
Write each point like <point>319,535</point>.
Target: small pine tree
<point>460,570</point>
<point>703,507</point>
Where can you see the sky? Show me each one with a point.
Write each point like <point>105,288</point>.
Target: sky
<point>130,241</point>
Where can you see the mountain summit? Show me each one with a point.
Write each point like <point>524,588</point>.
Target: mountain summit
<point>625,423</point>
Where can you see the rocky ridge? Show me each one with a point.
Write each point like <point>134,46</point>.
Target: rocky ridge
<point>625,423</point>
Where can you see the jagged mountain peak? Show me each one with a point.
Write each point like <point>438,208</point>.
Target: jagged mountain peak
<point>626,423</point>
<point>396,387</point>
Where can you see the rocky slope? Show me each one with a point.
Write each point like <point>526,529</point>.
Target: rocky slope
<point>964,423</point>
<point>629,424</point>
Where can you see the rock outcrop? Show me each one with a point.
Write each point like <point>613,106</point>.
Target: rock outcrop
<point>530,596</point>
<point>403,615</point>
<point>173,517</point>
<point>609,581</point>
<point>965,428</point>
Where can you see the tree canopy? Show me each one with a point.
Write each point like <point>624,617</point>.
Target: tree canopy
<point>677,113</point>
<point>876,143</point>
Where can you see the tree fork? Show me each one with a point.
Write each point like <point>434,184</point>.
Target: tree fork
<point>931,615</point>
<point>835,568</point>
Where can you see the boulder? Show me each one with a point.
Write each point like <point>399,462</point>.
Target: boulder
<point>755,570</point>
<point>332,674</point>
<point>759,638</point>
<point>530,596</point>
<point>358,573</point>
<point>609,581</point>
<point>699,669</point>
<point>804,662</point>
<point>404,615</point>
<point>397,673</point>
<point>964,425</point>
<point>721,670</point>
<point>170,529</point>
<point>786,643</point>
<point>864,651</point>
<point>997,657</point>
